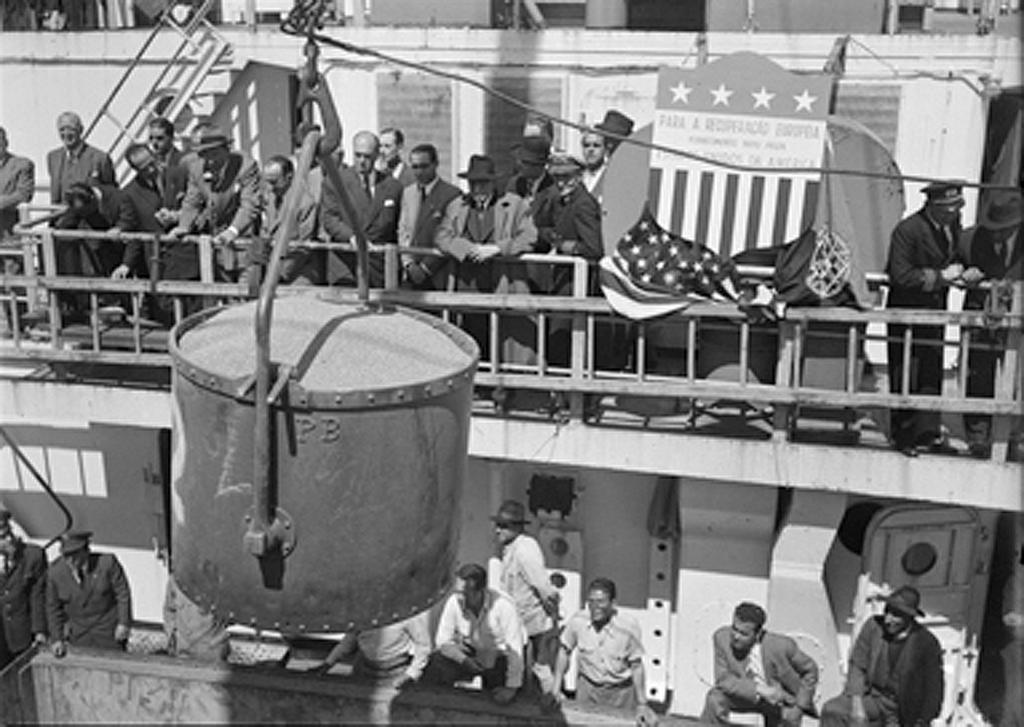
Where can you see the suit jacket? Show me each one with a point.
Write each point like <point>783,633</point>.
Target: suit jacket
<point>575,218</point>
<point>520,185</point>
<point>919,679</point>
<point>514,233</point>
<point>86,614</point>
<point>784,664</point>
<point>918,252</point>
<point>90,165</point>
<point>178,261</point>
<point>403,174</point>
<point>233,200</point>
<point>296,262</point>
<point>17,185</point>
<point>979,251</point>
<point>378,216</point>
<point>418,225</point>
<point>23,598</point>
<point>114,211</point>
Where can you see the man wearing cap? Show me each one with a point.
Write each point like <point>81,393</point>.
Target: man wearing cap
<point>223,198</point>
<point>75,161</point>
<point>759,671</point>
<point>525,580</point>
<point>895,671</point>
<point>479,634</point>
<point>478,227</point>
<point>568,218</point>
<point>531,177</point>
<point>924,261</point>
<point>993,252</point>
<point>88,601</point>
<point>22,593</point>
<point>423,206</point>
<point>376,198</point>
<point>611,667</point>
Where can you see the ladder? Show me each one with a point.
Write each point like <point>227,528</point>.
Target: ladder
<point>123,116</point>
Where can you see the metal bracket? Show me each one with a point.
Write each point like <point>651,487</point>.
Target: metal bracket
<point>280,536</point>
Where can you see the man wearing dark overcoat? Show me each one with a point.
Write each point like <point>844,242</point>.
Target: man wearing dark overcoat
<point>923,263</point>
<point>22,593</point>
<point>993,252</point>
<point>223,199</point>
<point>75,161</point>
<point>88,601</point>
<point>423,206</point>
<point>376,198</point>
<point>759,671</point>
<point>895,672</point>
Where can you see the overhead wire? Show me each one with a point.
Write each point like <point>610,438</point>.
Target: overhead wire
<point>356,49</point>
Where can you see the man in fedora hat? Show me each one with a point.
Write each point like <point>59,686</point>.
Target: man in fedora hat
<point>993,252</point>
<point>895,671</point>
<point>525,580</point>
<point>924,261</point>
<point>222,198</point>
<point>479,227</point>
<point>22,592</point>
<point>759,671</point>
<point>614,126</point>
<point>87,597</point>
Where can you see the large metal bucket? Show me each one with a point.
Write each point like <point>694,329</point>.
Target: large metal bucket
<point>369,447</point>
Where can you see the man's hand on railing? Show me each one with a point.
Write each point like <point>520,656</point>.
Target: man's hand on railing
<point>166,217</point>
<point>178,231</point>
<point>951,273</point>
<point>971,276</point>
<point>120,272</point>
<point>484,252</point>
<point>226,236</point>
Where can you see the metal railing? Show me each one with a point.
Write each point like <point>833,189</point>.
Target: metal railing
<point>708,352</point>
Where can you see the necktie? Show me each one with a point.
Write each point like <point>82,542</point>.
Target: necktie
<point>367,186</point>
<point>423,194</point>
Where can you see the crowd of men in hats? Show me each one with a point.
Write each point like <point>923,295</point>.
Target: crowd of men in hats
<point>82,599</point>
<point>551,203</point>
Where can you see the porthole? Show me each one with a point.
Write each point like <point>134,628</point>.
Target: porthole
<point>919,558</point>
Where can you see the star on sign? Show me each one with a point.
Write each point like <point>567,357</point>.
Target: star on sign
<point>721,95</point>
<point>681,93</point>
<point>804,101</point>
<point>762,98</point>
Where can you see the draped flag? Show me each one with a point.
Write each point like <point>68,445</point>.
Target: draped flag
<point>654,272</point>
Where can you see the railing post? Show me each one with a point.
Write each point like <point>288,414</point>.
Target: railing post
<point>391,267</point>
<point>1008,375</point>
<point>578,362</point>
<point>784,378</point>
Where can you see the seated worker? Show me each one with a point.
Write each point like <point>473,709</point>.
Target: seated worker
<point>758,671</point>
<point>895,673</point>
<point>611,668</point>
<point>479,634</point>
<point>395,654</point>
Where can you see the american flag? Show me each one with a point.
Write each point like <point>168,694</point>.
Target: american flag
<point>654,272</point>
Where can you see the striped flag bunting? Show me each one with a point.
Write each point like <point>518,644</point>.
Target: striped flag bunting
<point>654,272</point>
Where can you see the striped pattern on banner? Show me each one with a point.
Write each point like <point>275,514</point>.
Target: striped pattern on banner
<point>730,212</point>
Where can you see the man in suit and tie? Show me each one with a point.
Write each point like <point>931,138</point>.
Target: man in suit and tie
<point>924,261</point>
<point>303,267</point>
<point>22,592</point>
<point>423,205</point>
<point>376,198</point>
<point>390,161</point>
<point>992,250</point>
<point>758,671</point>
<point>75,161</point>
<point>223,198</point>
<point>88,600</point>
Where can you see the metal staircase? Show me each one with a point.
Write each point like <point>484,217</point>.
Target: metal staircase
<point>123,116</point>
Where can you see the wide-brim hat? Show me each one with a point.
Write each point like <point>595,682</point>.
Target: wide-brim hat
<point>1002,210</point>
<point>511,512</point>
<point>481,168</point>
<point>616,122</point>
<point>906,600</point>
<point>211,137</point>
<point>564,163</point>
<point>949,193</point>
<point>533,150</point>
<point>74,541</point>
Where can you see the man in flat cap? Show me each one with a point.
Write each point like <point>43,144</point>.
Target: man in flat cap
<point>993,252</point>
<point>223,198</point>
<point>525,580</point>
<point>88,600</point>
<point>924,261</point>
<point>22,592</point>
<point>895,672</point>
<point>531,177</point>
<point>568,218</point>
